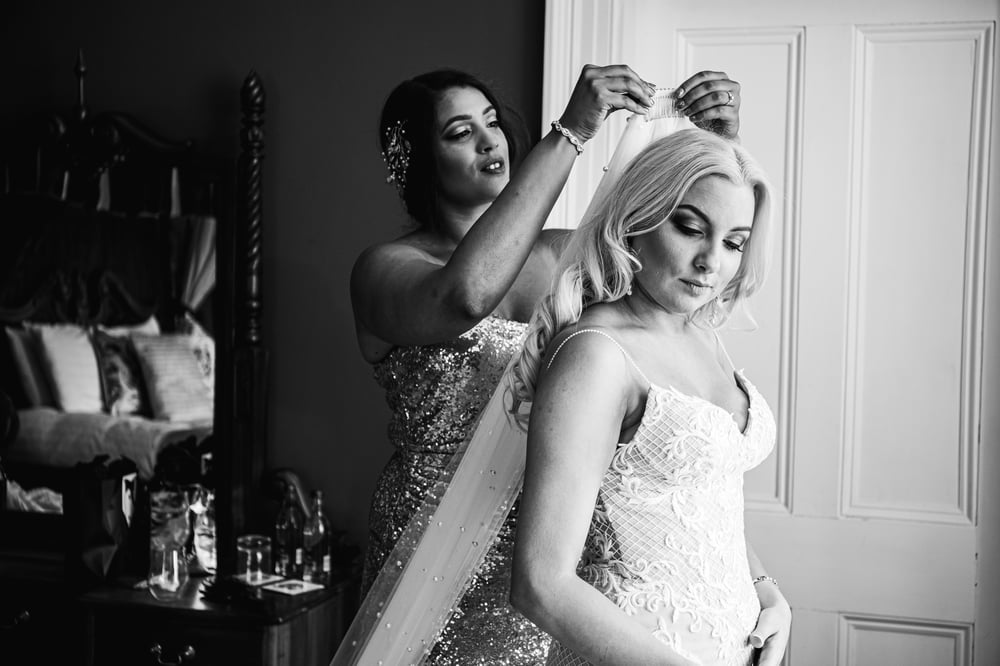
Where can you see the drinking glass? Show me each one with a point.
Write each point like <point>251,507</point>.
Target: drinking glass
<point>168,571</point>
<point>168,535</point>
<point>253,558</point>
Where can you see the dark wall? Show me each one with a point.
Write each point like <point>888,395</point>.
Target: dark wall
<point>327,67</point>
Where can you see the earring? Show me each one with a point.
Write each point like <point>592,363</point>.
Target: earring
<point>628,292</point>
<point>716,313</point>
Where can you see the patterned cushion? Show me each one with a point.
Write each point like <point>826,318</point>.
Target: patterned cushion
<point>177,388</point>
<point>121,377</point>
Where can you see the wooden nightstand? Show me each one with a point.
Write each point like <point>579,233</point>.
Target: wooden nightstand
<point>35,606</point>
<point>128,626</point>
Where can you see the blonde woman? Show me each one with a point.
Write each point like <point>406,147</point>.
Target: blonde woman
<point>640,428</point>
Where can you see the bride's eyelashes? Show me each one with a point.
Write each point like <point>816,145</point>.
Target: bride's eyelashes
<point>692,230</point>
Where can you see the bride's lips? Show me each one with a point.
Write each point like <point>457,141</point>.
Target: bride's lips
<point>696,286</point>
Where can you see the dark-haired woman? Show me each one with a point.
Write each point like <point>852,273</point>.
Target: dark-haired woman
<point>440,311</point>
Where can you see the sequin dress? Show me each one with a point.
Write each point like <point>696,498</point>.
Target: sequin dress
<point>435,393</point>
<point>666,541</point>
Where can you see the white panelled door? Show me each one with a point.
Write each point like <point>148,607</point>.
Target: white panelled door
<point>879,512</point>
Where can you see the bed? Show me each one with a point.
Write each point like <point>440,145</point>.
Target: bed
<point>107,284</point>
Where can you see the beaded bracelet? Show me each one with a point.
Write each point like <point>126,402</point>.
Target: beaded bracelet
<point>557,126</point>
<point>761,579</point>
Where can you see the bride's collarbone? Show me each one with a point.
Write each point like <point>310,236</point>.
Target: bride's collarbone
<point>690,367</point>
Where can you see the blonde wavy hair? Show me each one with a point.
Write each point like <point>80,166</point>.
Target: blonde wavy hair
<point>598,265</point>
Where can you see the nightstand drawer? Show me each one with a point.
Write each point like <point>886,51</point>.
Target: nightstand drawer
<point>123,639</point>
<point>30,615</point>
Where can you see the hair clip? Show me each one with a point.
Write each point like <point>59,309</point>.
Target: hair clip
<point>397,155</point>
<point>664,105</point>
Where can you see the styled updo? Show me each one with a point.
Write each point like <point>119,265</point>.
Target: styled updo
<point>411,107</point>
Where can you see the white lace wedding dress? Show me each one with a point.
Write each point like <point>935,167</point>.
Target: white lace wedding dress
<point>666,541</point>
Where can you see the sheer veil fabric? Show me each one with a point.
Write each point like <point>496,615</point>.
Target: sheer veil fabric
<point>439,552</point>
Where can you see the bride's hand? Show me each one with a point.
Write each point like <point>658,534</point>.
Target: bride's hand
<point>712,102</point>
<point>599,92</point>
<point>774,624</point>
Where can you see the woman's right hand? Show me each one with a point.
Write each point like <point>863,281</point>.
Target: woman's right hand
<point>599,92</point>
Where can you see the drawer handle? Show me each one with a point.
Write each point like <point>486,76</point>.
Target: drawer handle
<point>18,618</point>
<point>186,653</point>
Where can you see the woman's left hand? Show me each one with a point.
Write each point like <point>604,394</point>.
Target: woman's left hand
<point>711,100</point>
<point>770,636</point>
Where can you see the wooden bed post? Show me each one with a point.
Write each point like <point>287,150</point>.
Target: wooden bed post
<point>243,472</point>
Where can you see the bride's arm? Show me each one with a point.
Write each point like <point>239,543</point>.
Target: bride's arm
<point>575,421</point>
<point>775,621</point>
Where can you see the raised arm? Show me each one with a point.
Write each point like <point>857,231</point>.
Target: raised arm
<point>404,296</point>
<point>576,419</point>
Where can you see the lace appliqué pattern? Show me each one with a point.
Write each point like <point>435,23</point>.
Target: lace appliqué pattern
<point>666,541</point>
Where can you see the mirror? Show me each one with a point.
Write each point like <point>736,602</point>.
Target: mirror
<point>119,302</point>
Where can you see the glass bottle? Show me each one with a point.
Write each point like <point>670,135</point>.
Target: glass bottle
<point>288,536</point>
<point>316,543</point>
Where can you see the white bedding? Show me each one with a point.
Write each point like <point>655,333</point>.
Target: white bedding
<point>50,437</point>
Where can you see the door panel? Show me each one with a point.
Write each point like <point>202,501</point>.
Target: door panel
<point>879,319</point>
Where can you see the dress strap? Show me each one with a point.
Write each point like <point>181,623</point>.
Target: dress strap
<point>722,347</point>
<point>617,344</point>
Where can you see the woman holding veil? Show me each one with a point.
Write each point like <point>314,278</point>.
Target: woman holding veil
<point>439,313</point>
<point>641,427</point>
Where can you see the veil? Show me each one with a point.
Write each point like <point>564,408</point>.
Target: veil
<point>437,555</point>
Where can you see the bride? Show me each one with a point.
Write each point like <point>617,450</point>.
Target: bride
<point>640,427</point>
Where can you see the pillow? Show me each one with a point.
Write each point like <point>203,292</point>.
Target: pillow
<point>121,377</point>
<point>204,349</point>
<point>174,382</point>
<point>71,367</point>
<point>25,352</point>
<point>148,327</point>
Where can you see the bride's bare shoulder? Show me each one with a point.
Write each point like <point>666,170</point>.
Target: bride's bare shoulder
<point>598,331</point>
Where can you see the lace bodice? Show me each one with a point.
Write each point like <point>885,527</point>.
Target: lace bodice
<point>666,541</point>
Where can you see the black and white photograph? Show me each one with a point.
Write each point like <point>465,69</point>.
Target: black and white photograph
<point>534,333</point>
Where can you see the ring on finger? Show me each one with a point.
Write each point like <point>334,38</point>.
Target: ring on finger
<point>729,102</point>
